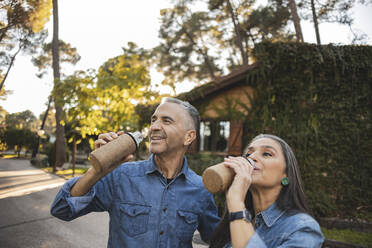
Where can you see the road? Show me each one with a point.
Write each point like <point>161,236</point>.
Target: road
<point>26,194</point>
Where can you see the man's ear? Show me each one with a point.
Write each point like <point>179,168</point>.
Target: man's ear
<point>190,136</point>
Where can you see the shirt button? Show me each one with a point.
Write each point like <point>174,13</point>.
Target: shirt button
<point>161,233</point>
<point>164,209</point>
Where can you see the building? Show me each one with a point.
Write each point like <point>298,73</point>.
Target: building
<point>222,104</point>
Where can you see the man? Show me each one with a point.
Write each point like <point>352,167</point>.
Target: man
<point>158,202</point>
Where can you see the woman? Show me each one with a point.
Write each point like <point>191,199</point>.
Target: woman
<point>266,202</point>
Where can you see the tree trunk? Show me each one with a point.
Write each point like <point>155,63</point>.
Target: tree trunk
<point>315,20</point>
<point>10,65</point>
<point>74,157</point>
<point>3,32</point>
<point>60,130</point>
<point>35,151</point>
<point>296,21</point>
<point>239,40</point>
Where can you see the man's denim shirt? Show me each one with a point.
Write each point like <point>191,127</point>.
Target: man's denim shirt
<point>144,210</point>
<point>279,229</point>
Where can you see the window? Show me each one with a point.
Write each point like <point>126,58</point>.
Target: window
<point>214,135</point>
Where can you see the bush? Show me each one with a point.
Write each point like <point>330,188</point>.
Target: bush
<point>51,153</point>
<point>198,163</point>
<point>40,162</point>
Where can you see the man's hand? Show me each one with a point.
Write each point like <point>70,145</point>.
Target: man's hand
<point>86,182</point>
<point>104,138</point>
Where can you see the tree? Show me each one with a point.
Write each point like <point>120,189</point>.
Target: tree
<point>331,11</point>
<point>103,101</point>
<point>296,20</point>
<point>20,130</point>
<point>204,43</point>
<point>184,52</point>
<point>19,138</point>
<point>46,58</point>
<point>43,58</point>
<point>21,28</point>
<point>35,151</point>
<point>20,120</point>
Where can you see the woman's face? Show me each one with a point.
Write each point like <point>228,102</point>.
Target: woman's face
<point>269,163</point>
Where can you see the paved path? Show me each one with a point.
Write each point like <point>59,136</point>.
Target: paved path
<point>25,197</point>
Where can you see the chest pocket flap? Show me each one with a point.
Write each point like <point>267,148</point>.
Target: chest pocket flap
<point>134,218</point>
<point>134,210</point>
<point>189,217</point>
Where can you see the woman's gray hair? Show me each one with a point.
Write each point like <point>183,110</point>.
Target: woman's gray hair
<point>291,197</point>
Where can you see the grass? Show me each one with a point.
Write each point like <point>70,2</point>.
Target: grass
<point>9,156</point>
<point>349,236</point>
<point>67,174</point>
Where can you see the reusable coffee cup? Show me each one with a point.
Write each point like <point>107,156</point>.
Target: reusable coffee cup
<point>110,154</point>
<point>218,178</point>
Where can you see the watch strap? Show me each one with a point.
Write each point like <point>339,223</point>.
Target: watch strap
<point>245,215</point>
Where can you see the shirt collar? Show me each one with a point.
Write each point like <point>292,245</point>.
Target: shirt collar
<point>272,214</point>
<point>151,168</point>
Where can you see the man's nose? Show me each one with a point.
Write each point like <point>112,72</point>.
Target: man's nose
<point>155,125</point>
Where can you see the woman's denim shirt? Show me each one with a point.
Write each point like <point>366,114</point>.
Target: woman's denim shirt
<point>145,210</point>
<point>276,228</point>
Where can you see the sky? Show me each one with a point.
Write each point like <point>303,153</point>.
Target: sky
<point>99,30</point>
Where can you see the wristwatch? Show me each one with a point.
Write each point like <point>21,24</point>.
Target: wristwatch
<point>245,215</point>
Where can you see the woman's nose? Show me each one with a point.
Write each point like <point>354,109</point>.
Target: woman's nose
<point>253,156</point>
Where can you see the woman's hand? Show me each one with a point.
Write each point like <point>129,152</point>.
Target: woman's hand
<point>235,195</point>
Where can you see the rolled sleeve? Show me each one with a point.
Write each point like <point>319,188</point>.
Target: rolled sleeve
<point>98,198</point>
<point>65,206</point>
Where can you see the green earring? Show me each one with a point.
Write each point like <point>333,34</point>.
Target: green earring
<point>285,181</point>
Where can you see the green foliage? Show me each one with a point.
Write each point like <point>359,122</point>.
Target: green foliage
<point>333,11</point>
<point>18,139</point>
<point>200,43</point>
<point>144,112</point>
<point>20,120</point>
<point>198,163</point>
<point>318,99</point>
<point>21,29</point>
<point>103,101</point>
<point>349,236</point>
<point>51,153</point>
<point>44,59</point>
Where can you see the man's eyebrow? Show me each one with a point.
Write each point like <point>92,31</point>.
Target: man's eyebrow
<point>167,117</point>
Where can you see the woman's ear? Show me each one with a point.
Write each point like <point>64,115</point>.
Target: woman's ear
<point>190,136</point>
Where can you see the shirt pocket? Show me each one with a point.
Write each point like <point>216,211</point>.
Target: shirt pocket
<point>186,224</point>
<point>134,218</point>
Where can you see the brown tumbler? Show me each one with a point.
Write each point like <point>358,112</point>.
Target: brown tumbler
<point>110,154</point>
<point>218,178</point>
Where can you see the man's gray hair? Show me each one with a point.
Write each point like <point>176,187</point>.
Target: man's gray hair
<point>191,110</point>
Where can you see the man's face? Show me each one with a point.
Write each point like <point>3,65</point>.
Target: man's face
<point>168,131</point>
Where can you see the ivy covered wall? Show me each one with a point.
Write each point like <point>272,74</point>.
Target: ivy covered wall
<point>319,99</point>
